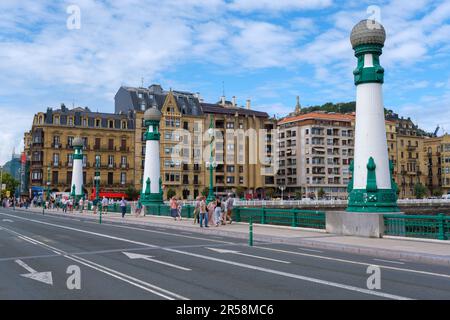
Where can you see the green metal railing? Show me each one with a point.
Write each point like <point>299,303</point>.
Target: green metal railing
<point>284,217</point>
<point>115,208</point>
<point>418,226</point>
<point>187,211</point>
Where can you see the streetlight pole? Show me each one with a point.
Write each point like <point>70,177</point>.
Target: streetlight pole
<point>211,196</point>
<point>1,182</point>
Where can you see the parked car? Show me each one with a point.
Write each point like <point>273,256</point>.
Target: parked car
<point>446,196</point>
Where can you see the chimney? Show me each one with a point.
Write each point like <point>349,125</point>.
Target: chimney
<point>234,101</point>
<point>248,104</point>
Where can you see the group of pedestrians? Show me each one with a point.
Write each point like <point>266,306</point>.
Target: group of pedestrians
<point>217,212</point>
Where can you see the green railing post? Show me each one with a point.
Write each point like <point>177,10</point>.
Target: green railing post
<point>441,221</point>
<point>294,219</point>
<point>158,211</point>
<point>250,237</point>
<point>263,216</point>
<point>189,210</point>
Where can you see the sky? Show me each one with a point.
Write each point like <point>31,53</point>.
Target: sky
<point>80,52</point>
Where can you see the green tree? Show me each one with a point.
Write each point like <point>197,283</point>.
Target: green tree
<point>10,182</point>
<point>321,193</point>
<point>420,191</point>
<point>438,193</point>
<point>171,193</point>
<point>240,192</point>
<point>132,193</point>
<point>270,192</point>
<point>205,191</point>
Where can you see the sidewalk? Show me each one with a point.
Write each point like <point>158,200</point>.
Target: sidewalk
<point>416,250</point>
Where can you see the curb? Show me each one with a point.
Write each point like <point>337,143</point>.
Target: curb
<point>314,244</point>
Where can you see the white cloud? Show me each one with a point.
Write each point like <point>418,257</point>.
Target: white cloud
<point>279,5</point>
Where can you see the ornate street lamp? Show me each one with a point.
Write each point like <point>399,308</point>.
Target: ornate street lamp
<point>282,188</point>
<point>212,164</point>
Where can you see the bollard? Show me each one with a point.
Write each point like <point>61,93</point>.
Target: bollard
<point>100,217</point>
<point>250,238</point>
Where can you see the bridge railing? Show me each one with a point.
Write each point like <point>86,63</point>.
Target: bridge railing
<point>418,226</point>
<point>284,217</point>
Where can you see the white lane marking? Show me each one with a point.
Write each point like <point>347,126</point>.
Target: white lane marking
<point>356,262</point>
<point>295,276</point>
<point>166,233</point>
<point>133,281</point>
<point>150,258</point>
<point>243,265</point>
<point>7,220</point>
<point>389,261</point>
<point>45,277</point>
<point>113,273</point>
<point>246,255</point>
<point>310,250</point>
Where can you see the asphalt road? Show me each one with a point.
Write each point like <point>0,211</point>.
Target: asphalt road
<point>120,261</point>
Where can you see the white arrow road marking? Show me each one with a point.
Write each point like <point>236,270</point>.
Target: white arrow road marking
<point>45,277</point>
<point>7,220</point>
<point>247,255</point>
<point>150,258</point>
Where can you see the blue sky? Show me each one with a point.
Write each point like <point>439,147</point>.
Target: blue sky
<point>266,51</point>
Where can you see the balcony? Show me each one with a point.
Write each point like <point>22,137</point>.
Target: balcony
<point>69,164</point>
<point>124,149</point>
<point>37,163</point>
<point>57,145</point>
<point>124,166</point>
<point>411,148</point>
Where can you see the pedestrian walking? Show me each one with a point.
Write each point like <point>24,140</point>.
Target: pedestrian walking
<point>179,210</point>
<point>81,205</point>
<point>105,205</point>
<point>211,206</point>
<point>229,205</point>
<point>217,213</point>
<point>197,209</point>
<point>174,208</point>
<point>203,213</point>
<point>138,209</point>
<point>123,206</point>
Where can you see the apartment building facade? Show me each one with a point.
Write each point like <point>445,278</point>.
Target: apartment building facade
<point>315,152</point>
<point>108,138</point>
<point>184,147</point>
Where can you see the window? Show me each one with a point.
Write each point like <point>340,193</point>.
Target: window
<point>69,141</point>
<point>97,123</point>
<point>110,144</point>
<point>84,122</point>
<point>70,160</point>
<point>124,124</point>
<point>123,178</point>
<point>110,178</point>
<point>56,159</point>
<point>123,160</point>
<point>230,169</point>
<point>230,125</point>
<point>111,124</point>
<point>97,143</point>
<point>110,160</point>
<point>84,160</point>
<point>98,159</point>
<point>230,179</point>
<point>56,121</point>
<point>70,121</point>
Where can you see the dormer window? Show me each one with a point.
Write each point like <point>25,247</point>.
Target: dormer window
<point>124,124</point>
<point>143,106</point>
<point>97,123</point>
<point>70,121</point>
<point>141,96</point>
<point>56,120</point>
<point>111,124</point>
<point>84,122</point>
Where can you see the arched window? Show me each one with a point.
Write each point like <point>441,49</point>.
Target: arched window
<point>124,124</point>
